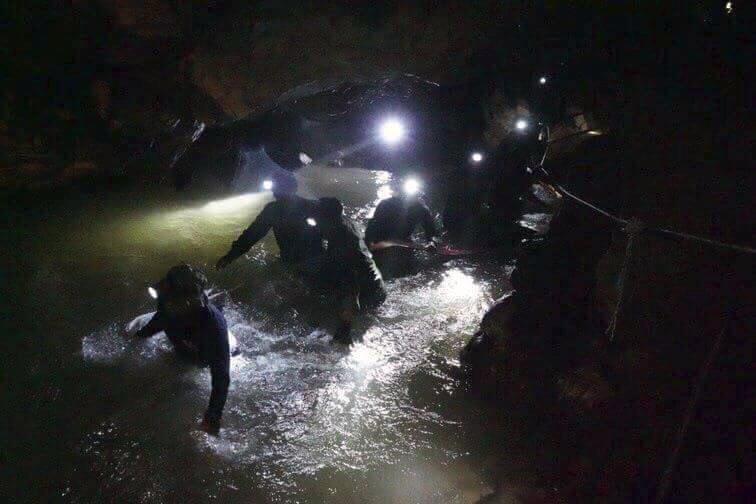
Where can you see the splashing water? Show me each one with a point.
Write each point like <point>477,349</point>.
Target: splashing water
<point>384,420</point>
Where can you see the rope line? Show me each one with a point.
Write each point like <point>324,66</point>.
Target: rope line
<point>690,411</point>
<point>591,206</point>
<point>662,231</point>
<point>709,241</point>
<point>633,229</point>
<point>624,222</point>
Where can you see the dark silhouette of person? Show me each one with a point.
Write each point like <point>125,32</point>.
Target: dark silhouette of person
<point>388,234</point>
<point>291,218</point>
<point>349,266</point>
<point>198,331</point>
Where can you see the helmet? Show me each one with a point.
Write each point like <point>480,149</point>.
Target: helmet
<point>182,288</point>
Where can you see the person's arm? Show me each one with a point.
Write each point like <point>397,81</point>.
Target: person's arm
<point>253,234</point>
<point>156,324</point>
<point>349,305</point>
<point>428,222</point>
<point>221,378</point>
<point>371,230</point>
<point>219,361</point>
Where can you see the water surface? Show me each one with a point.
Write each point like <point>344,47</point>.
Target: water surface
<point>96,415</point>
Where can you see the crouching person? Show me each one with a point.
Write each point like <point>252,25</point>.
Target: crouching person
<point>198,331</point>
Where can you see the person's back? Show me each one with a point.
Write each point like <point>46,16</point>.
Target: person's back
<point>290,218</point>
<point>396,218</point>
<point>211,326</point>
<point>297,239</point>
<point>348,250</point>
<point>389,232</point>
<point>349,266</point>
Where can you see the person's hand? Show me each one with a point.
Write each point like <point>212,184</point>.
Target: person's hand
<point>210,427</point>
<point>222,262</point>
<point>431,246</point>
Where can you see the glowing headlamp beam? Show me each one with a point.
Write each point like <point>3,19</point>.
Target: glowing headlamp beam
<point>267,185</point>
<point>411,186</point>
<point>152,292</point>
<point>392,131</point>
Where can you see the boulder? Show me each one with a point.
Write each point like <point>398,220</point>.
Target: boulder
<point>584,389</point>
<point>499,359</point>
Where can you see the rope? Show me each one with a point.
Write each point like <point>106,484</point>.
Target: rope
<point>709,241</point>
<point>661,231</point>
<point>633,229</point>
<point>571,136</point>
<point>625,222</point>
<point>690,410</point>
<point>591,206</point>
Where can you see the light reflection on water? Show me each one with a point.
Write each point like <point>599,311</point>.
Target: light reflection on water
<point>305,417</point>
<point>352,410</point>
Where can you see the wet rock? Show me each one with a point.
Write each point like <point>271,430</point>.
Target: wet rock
<point>482,358</point>
<point>482,355</point>
<point>502,359</point>
<point>79,169</point>
<point>584,389</point>
<point>497,320</point>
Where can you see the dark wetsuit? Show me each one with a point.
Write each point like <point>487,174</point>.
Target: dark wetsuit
<point>396,218</point>
<point>484,201</point>
<point>203,337</point>
<point>351,266</point>
<point>288,216</point>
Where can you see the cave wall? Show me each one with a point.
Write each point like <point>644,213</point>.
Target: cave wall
<point>119,85</point>
<point>612,408</point>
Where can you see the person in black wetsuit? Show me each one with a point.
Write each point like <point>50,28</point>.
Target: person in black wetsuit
<point>388,234</point>
<point>198,331</point>
<point>349,266</point>
<point>484,200</point>
<point>290,217</point>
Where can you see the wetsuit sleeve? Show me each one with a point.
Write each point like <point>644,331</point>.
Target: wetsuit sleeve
<point>254,233</point>
<point>220,378</point>
<point>373,229</point>
<point>156,324</point>
<point>219,362</point>
<point>429,223</point>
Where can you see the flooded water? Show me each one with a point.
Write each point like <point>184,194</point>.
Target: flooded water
<point>94,415</point>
